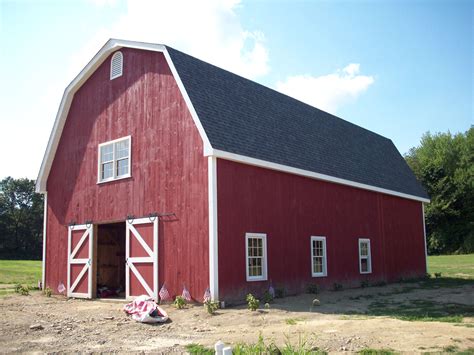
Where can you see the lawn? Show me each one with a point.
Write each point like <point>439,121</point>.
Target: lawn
<point>20,271</point>
<point>452,265</point>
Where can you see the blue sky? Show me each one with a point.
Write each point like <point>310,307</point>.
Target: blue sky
<point>399,68</point>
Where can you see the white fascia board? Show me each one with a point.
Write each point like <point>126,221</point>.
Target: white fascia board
<point>306,173</point>
<point>79,80</point>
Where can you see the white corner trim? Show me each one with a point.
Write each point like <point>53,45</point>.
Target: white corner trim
<point>45,223</point>
<point>424,236</point>
<point>111,46</point>
<point>213,237</point>
<point>306,173</point>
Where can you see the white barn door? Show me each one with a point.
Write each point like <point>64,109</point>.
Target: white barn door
<point>141,253</point>
<point>79,266</point>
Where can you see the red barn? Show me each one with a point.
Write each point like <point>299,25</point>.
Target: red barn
<point>162,169</point>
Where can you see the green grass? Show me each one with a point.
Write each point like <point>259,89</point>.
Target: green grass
<point>20,272</point>
<point>369,351</point>
<point>422,310</point>
<point>198,349</point>
<point>452,265</point>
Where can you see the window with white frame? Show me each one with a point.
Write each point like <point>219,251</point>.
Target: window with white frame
<point>114,159</point>
<point>365,260</point>
<point>318,257</point>
<point>116,65</point>
<point>256,256</point>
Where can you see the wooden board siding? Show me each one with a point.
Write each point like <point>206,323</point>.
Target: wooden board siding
<point>290,209</point>
<point>169,172</point>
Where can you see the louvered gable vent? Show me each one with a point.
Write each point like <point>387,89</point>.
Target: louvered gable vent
<point>116,65</point>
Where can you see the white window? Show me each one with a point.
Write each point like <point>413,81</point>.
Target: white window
<point>116,65</point>
<point>114,160</point>
<point>365,260</point>
<point>256,255</point>
<point>318,257</point>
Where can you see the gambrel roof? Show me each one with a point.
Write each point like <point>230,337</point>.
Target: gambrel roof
<point>243,121</point>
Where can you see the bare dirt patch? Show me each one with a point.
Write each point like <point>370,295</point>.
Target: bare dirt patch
<point>344,321</point>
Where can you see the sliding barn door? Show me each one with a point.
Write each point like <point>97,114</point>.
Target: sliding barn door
<point>79,268</point>
<point>141,272</point>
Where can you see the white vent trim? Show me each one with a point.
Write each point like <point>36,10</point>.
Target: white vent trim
<point>116,65</point>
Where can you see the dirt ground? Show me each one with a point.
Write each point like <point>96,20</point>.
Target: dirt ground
<point>101,326</point>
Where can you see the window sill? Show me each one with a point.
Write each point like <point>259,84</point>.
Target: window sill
<point>319,275</point>
<point>115,179</point>
<point>252,279</point>
<point>365,272</point>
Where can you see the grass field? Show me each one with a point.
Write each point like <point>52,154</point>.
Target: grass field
<point>452,265</point>
<point>20,272</point>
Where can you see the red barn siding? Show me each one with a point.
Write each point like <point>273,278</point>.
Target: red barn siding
<point>169,172</point>
<point>290,209</point>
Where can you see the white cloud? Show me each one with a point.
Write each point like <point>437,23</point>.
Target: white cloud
<point>327,92</point>
<point>102,3</point>
<point>210,30</point>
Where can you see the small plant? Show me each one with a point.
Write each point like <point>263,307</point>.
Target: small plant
<point>290,321</point>
<point>211,306</point>
<point>266,306</point>
<point>23,290</point>
<point>437,275</point>
<point>47,292</point>
<point>280,292</point>
<point>198,349</point>
<point>313,289</point>
<point>267,297</point>
<point>179,302</point>
<point>252,302</point>
<point>337,286</point>
<point>364,283</point>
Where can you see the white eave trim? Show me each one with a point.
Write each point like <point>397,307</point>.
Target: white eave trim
<point>306,173</point>
<point>111,46</point>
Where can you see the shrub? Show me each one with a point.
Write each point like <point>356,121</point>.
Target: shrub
<point>23,290</point>
<point>252,302</point>
<point>312,288</point>
<point>364,283</point>
<point>267,297</point>
<point>179,302</point>
<point>211,306</point>
<point>47,292</point>
<point>337,286</point>
<point>437,275</point>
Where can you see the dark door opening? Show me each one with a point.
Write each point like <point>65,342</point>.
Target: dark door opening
<point>111,260</point>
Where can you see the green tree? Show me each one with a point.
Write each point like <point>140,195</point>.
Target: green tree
<point>444,164</point>
<point>21,219</point>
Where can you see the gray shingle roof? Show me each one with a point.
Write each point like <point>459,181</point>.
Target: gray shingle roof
<point>246,118</point>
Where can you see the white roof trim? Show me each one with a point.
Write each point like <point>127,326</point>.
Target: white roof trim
<point>115,44</point>
<point>306,173</point>
<point>111,46</point>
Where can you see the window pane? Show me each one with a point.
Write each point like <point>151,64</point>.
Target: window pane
<point>107,170</point>
<point>318,265</point>
<point>121,149</point>
<point>363,249</point>
<point>364,266</point>
<point>122,167</point>
<point>106,153</point>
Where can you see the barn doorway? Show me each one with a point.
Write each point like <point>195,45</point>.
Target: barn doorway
<point>111,260</point>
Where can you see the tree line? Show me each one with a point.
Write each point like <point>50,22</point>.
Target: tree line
<point>443,163</point>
